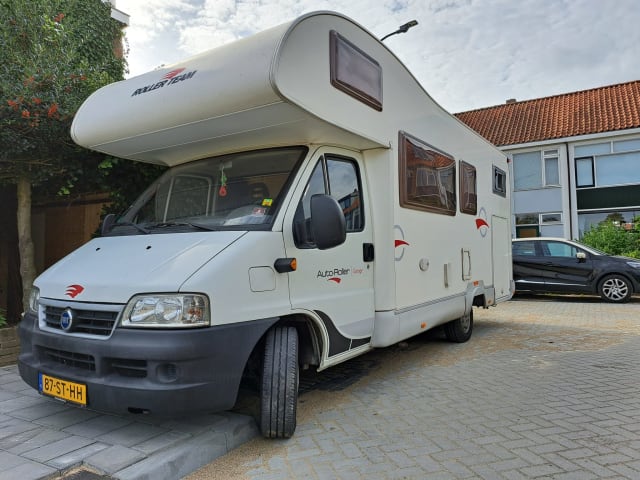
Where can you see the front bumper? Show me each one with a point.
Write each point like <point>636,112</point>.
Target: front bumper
<point>165,372</point>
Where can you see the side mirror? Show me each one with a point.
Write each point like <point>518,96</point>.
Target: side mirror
<point>107,223</point>
<point>328,226</point>
<point>581,256</point>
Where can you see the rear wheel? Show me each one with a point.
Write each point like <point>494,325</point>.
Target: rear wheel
<point>279,392</point>
<point>460,329</point>
<point>615,288</point>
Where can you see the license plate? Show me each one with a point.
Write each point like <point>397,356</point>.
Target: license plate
<point>63,389</point>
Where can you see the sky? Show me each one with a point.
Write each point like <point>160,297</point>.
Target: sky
<point>467,54</point>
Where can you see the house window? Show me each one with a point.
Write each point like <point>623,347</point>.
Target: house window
<point>584,172</point>
<point>607,164</point>
<point>427,177</point>
<point>551,170</point>
<point>533,170</point>
<point>499,181</point>
<point>550,218</point>
<point>354,72</point>
<point>468,189</point>
<point>526,219</point>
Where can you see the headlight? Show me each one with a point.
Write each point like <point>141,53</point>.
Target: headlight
<point>167,311</point>
<point>634,264</point>
<point>34,298</point>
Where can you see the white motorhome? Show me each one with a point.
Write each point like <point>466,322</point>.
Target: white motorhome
<point>319,204</point>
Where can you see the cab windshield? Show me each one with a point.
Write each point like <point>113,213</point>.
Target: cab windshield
<point>242,191</point>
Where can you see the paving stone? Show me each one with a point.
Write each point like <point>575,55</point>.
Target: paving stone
<point>114,458</point>
<point>55,449</point>
<point>76,457</point>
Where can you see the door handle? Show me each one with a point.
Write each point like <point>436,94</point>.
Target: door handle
<point>368,252</point>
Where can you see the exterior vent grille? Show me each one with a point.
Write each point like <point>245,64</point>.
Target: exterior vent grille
<point>71,359</point>
<point>92,322</point>
<point>128,368</point>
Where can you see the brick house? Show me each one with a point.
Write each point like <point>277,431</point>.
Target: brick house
<point>575,158</point>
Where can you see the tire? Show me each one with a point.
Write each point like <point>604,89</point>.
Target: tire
<point>279,392</point>
<point>615,289</point>
<point>460,329</point>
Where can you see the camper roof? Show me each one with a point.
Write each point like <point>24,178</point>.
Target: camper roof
<point>321,78</point>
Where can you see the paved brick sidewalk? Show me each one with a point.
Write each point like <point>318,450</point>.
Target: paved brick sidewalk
<point>545,389</point>
<point>41,438</point>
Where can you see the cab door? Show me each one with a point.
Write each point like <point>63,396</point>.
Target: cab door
<point>335,284</point>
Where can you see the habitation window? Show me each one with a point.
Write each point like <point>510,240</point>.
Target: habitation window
<point>499,181</point>
<point>532,170</point>
<point>427,177</point>
<point>468,188</point>
<point>354,72</point>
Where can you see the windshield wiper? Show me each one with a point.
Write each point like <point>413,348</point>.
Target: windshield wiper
<point>129,224</point>
<point>183,224</point>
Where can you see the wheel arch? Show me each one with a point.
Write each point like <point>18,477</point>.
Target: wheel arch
<point>604,275</point>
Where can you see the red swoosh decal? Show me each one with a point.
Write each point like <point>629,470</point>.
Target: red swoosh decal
<point>74,290</point>
<point>335,279</point>
<point>173,73</point>
<point>481,223</point>
<point>401,242</point>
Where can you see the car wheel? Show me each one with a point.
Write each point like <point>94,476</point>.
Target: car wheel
<point>279,392</point>
<point>460,329</point>
<point>615,288</point>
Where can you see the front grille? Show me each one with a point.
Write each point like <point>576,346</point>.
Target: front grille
<point>92,322</point>
<point>71,359</point>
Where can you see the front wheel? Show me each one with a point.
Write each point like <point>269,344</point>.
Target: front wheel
<point>615,288</point>
<point>279,392</point>
<point>460,329</point>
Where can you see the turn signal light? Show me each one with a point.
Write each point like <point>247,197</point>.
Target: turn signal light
<point>284,265</point>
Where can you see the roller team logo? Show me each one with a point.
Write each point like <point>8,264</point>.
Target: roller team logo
<point>74,290</point>
<point>481,222</point>
<point>168,79</point>
<point>400,243</point>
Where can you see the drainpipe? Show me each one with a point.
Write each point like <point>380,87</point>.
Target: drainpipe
<point>566,149</point>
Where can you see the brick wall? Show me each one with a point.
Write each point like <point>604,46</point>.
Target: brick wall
<point>9,346</point>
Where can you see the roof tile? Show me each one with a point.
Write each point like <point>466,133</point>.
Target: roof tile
<point>602,109</point>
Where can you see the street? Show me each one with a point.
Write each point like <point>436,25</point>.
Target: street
<point>547,388</point>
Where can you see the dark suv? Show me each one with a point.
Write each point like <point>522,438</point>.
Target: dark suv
<point>554,265</point>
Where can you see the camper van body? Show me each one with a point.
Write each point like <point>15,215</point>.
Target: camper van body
<point>179,298</point>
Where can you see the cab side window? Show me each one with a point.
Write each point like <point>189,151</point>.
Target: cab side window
<point>340,178</point>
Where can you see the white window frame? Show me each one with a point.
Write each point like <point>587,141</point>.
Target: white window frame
<point>544,156</point>
<point>543,220</point>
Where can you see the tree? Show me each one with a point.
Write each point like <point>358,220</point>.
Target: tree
<point>613,239</point>
<point>55,54</point>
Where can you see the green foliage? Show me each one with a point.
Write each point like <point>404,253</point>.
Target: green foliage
<point>138,177</point>
<point>3,318</point>
<point>613,239</point>
<point>56,53</point>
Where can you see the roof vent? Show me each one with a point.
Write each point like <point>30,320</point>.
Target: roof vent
<point>511,100</point>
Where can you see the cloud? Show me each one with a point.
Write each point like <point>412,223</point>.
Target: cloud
<point>467,53</point>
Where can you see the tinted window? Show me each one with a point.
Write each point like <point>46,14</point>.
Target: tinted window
<point>427,177</point>
<point>524,248</point>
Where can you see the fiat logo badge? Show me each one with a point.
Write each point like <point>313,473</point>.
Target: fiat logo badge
<point>66,320</point>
